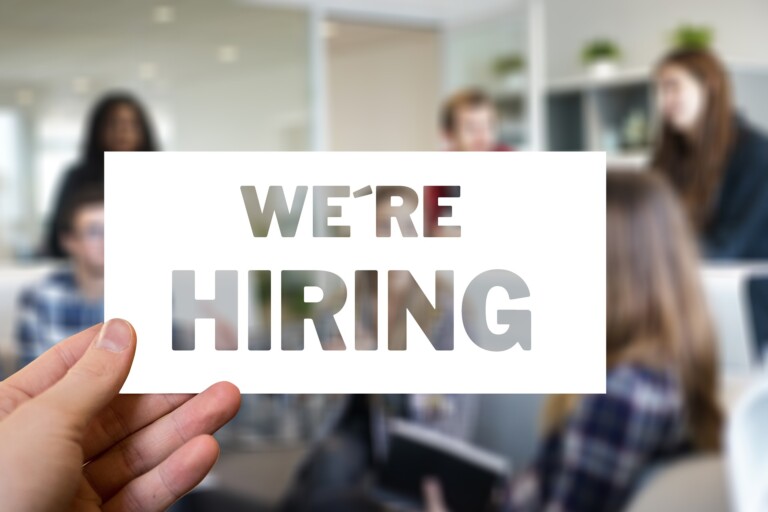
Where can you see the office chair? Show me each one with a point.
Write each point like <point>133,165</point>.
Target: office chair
<point>691,483</point>
<point>747,450</point>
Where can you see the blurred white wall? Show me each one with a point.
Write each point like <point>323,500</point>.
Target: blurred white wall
<point>215,75</point>
<point>473,48</point>
<point>260,102</point>
<point>383,88</point>
<point>247,110</point>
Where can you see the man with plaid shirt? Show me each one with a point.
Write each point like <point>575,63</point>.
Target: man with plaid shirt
<point>70,299</point>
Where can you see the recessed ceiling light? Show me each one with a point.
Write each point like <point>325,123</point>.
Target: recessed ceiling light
<point>228,53</point>
<point>81,85</point>
<point>163,14</point>
<point>147,70</point>
<point>25,97</point>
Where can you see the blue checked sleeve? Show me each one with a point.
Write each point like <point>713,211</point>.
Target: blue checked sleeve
<point>606,446</point>
<point>28,327</point>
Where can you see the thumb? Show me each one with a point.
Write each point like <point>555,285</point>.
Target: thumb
<point>94,380</point>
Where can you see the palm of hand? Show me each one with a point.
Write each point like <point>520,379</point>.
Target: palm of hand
<point>137,453</point>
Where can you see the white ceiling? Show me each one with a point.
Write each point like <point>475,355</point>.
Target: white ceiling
<point>43,40</point>
<point>346,35</point>
<point>55,43</point>
<point>427,11</point>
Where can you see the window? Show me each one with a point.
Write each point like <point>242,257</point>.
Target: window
<point>10,174</point>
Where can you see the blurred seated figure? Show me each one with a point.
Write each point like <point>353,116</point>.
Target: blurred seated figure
<point>118,122</point>
<point>340,471</point>
<point>334,475</point>
<point>468,122</point>
<point>72,298</point>
<point>715,160</point>
<point>718,164</point>
<point>662,380</point>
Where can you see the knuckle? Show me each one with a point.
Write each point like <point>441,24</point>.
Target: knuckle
<point>111,424</point>
<point>133,459</point>
<point>90,370</point>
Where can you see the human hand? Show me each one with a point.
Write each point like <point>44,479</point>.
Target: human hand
<point>432,493</point>
<point>69,441</point>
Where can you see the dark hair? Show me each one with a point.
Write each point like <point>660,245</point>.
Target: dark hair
<point>467,98</point>
<point>695,166</point>
<point>93,150</point>
<point>86,196</point>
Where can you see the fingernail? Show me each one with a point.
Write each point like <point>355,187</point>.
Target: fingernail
<point>115,336</point>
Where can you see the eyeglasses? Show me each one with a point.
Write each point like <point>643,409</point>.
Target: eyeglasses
<point>92,233</point>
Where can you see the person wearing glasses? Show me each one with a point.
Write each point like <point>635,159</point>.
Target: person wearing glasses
<point>71,298</point>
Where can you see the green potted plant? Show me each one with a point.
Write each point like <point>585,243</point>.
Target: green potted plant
<point>692,37</point>
<point>601,57</point>
<point>509,70</point>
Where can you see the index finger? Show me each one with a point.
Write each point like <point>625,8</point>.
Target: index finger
<point>126,415</point>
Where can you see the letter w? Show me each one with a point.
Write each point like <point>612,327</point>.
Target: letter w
<point>275,206</point>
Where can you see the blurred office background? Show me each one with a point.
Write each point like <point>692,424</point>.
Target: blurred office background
<point>339,75</point>
<point>354,75</point>
<point>304,75</point>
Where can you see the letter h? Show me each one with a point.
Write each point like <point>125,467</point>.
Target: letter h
<point>187,309</point>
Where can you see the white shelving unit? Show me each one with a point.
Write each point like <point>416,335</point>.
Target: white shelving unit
<point>512,104</point>
<point>588,113</point>
<point>612,114</point>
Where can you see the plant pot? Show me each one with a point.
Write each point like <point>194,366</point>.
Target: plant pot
<point>603,68</point>
<point>513,81</point>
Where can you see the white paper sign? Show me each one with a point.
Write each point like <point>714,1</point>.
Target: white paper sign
<point>515,304</point>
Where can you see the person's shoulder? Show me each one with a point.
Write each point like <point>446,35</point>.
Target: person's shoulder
<point>57,283</point>
<point>644,388</point>
<point>752,143</point>
<point>635,396</point>
<point>635,389</point>
<point>73,172</point>
<point>81,174</point>
<point>61,277</point>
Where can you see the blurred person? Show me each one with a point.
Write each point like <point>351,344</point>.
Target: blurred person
<point>438,323</point>
<point>468,122</point>
<point>716,161</point>
<point>118,122</point>
<point>71,298</point>
<point>333,476</point>
<point>69,441</point>
<point>718,164</point>
<point>662,378</point>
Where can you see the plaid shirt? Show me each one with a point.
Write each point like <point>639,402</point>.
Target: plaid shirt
<point>51,311</point>
<point>607,446</point>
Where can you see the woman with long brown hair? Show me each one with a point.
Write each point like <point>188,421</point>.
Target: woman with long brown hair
<point>715,160</point>
<point>662,380</point>
<point>662,372</point>
<point>717,163</point>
